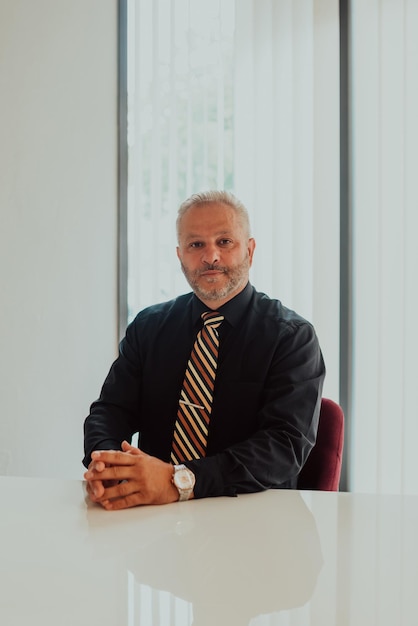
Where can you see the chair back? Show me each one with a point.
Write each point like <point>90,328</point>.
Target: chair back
<point>322,469</point>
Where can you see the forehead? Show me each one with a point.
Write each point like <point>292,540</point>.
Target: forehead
<point>209,218</point>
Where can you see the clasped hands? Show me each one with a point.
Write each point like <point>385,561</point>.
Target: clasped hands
<point>127,478</point>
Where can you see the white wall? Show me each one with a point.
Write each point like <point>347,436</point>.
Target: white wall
<point>58,212</point>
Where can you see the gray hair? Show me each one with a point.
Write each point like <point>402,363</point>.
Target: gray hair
<point>220,197</point>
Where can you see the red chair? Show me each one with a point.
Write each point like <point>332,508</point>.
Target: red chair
<point>322,470</point>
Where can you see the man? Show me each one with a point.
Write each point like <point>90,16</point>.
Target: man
<point>262,418</point>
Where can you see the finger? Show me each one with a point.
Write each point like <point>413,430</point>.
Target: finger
<point>95,490</point>
<point>114,473</point>
<point>112,457</point>
<point>119,490</point>
<point>98,466</point>
<point>126,447</point>
<point>125,502</point>
<point>93,463</point>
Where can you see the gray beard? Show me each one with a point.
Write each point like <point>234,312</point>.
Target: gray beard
<point>237,275</point>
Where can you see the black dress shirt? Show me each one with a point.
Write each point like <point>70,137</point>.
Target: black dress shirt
<point>266,399</point>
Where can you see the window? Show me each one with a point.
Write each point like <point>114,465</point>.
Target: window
<point>243,96</point>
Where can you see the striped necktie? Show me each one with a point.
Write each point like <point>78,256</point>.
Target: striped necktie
<point>195,404</point>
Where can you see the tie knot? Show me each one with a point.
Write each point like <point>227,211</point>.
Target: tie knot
<point>212,319</point>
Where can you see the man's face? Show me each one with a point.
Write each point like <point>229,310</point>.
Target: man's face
<point>214,252</point>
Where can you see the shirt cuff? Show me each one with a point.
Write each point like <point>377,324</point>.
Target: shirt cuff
<point>209,478</point>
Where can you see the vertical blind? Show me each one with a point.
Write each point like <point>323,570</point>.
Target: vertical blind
<point>244,96</point>
<point>180,137</point>
<point>385,202</point>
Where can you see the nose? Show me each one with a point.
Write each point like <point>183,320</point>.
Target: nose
<point>210,254</point>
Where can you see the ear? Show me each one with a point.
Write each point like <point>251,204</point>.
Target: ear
<point>178,253</point>
<point>251,248</point>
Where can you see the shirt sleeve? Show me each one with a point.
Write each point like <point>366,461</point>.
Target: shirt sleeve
<point>287,422</point>
<point>114,416</point>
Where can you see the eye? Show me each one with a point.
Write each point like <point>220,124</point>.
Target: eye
<point>225,242</point>
<point>195,244</point>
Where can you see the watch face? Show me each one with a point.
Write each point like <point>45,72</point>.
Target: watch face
<point>183,479</point>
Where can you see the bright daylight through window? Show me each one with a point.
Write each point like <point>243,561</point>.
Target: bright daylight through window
<point>180,137</point>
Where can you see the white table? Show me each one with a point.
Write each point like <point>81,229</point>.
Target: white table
<point>274,558</point>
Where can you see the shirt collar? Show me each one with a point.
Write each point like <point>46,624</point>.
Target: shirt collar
<point>233,310</point>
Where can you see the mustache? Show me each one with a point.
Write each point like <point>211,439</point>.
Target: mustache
<point>213,266</point>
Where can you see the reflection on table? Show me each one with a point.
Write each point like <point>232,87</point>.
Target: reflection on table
<point>236,561</point>
<point>276,558</point>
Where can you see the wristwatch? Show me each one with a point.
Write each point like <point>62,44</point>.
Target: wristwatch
<point>184,480</point>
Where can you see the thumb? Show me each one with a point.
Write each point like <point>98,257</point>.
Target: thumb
<point>126,447</point>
